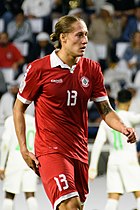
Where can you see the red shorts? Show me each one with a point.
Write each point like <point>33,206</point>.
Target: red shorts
<point>63,178</point>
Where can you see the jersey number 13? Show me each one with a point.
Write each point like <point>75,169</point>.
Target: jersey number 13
<point>71,97</point>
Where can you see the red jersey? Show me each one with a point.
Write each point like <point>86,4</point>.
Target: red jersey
<point>60,99</point>
<point>9,55</point>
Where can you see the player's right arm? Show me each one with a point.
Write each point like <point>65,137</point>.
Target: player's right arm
<point>19,122</point>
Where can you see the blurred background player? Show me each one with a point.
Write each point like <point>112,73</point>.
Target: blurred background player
<point>123,169</point>
<point>16,175</point>
<point>42,47</point>
<point>11,59</point>
<point>6,103</point>
<point>19,29</point>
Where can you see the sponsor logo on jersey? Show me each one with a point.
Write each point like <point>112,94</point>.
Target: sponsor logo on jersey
<point>57,80</point>
<point>85,81</point>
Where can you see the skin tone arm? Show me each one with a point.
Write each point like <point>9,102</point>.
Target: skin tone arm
<point>113,120</point>
<point>19,121</point>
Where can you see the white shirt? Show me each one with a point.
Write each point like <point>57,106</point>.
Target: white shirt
<point>11,157</point>
<point>38,8</point>
<point>118,146</point>
<point>6,106</point>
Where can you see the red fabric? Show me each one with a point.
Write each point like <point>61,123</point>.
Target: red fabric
<point>61,105</point>
<point>9,55</point>
<point>68,176</point>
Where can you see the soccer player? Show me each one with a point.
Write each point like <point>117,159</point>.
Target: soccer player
<point>16,175</point>
<point>123,170</point>
<point>60,84</point>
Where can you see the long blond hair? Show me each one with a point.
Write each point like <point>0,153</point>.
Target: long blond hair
<point>64,25</point>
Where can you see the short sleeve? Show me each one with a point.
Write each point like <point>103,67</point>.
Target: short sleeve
<point>99,91</point>
<point>30,84</point>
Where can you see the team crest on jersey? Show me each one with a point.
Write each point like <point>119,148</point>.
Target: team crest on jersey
<point>85,81</point>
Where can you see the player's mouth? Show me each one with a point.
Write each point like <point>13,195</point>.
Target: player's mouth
<point>83,49</point>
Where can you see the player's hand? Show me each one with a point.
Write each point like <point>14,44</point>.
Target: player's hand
<point>2,174</point>
<point>35,163</point>
<point>131,135</point>
<point>92,173</point>
<point>31,161</point>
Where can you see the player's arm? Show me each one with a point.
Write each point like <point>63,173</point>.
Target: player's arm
<point>112,119</point>
<point>100,139</point>
<point>19,122</point>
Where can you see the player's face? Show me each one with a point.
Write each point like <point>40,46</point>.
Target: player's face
<point>75,42</point>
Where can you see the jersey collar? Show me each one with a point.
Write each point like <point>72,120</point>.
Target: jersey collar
<point>56,61</point>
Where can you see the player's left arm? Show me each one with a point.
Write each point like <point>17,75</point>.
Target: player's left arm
<point>109,115</point>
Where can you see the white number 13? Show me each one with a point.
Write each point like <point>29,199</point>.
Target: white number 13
<point>62,178</point>
<point>72,97</point>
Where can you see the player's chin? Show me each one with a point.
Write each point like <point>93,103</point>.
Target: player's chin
<point>81,53</point>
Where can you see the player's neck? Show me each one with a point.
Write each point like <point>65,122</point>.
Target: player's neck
<point>67,59</point>
<point>123,106</point>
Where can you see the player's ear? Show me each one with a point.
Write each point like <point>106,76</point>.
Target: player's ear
<point>63,37</point>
